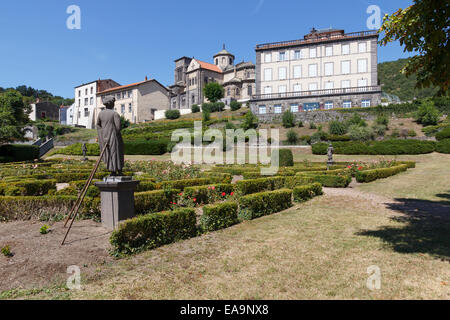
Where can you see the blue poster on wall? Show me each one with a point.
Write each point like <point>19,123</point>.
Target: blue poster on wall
<point>311,106</point>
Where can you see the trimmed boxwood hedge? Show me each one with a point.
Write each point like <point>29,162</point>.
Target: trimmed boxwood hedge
<point>386,147</point>
<point>443,134</point>
<point>181,184</point>
<point>372,175</point>
<point>304,193</point>
<point>443,146</point>
<point>259,204</point>
<point>329,181</point>
<point>153,230</point>
<point>202,194</point>
<point>27,188</point>
<point>151,147</point>
<point>18,152</point>
<point>146,185</point>
<point>217,177</point>
<point>245,187</point>
<point>46,207</point>
<point>154,201</point>
<point>220,216</point>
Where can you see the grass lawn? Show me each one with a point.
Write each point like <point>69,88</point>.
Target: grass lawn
<point>317,250</point>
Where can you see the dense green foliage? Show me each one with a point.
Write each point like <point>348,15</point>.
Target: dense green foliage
<point>286,158</point>
<point>443,146</point>
<point>250,121</point>
<point>307,192</point>
<point>386,147</point>
<point>427,114</point>
<point>380,173</point>
<point>153,230</point>
<point>245,187</point>
<point>259,204</point>
<point>153,201</point>
<point>288,119</point>
<point>220,216</point>
<point>195,108</point>
<point>234,105</point>
<point>13,116</point>
<point>213,91</point>
<point>172,114</point>
<point>18,152</point>
<point>443,134</point>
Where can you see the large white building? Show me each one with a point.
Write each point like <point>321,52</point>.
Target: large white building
<point>86,101</point>
<point>325,70</point>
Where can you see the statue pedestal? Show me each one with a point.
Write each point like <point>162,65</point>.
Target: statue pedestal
<point>117,200</point>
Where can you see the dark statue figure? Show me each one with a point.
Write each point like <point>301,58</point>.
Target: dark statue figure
<point>84,149</point>
<point>330,155</point>
<point>108,128</point>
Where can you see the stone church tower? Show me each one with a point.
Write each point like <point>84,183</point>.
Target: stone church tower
<point>224,59</point>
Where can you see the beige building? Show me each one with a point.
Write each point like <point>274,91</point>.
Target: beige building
<point>325,70</point>
<point>191,76</point>
<point>137,102</point>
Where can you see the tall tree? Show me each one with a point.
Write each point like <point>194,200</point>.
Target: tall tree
<point>213,91</point>
<point>13,116</point>
<point>423,28</point>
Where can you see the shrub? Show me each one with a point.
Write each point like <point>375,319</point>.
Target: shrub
<point>312,125</point>
<point>292,137</point>
<point>356,120</point>
<point>379,130</point>
<point>195,108</point>
<point>217,177</point>
<point>372,175</point>
<point>154,201</point>
<point>76,176</point>
<point>443,146</point>
<point>386,147</point>
<point>181,184</point>
<point>206,115</point>
<point>245,187</point>
<point>330,181</point>
<point>19,152</point>
<point>44,229</point>
<point>286,158</point>
<point>288,119</point>
<point>443,134</point>
<point>250,121</point>
<point>360,133</point>
<point>172,114</point>
<point>234,105</point>
<point>207,194</point>
<point>28,188</point>
<point>300,124</point>
<point>6,251</point>
<point>146,185</point>
<point>382,120</point>
<point>153,230</point>
<point>304,193</point>
<point>219,216</point>
<point>412,133</point>
<point>333,137</point>
<point>427,114</point>
<point>337,128</point>
<point>307,139</point>
<point>264,203</point>
<point>294,181</point>
<point>151,147</point>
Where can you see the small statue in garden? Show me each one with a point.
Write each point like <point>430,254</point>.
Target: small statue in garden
<point>330,151</point>
<point>108,128</point>
<point>84,149</point>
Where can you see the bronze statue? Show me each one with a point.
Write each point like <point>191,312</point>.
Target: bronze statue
<point>108,128</point>
<point>84,149</point>
<point>330,155</point>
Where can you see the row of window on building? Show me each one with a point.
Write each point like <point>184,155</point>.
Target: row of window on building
<point>312,53</point>
<point>295,107</point>
<point>87,101</point>
<point>327,85</point>
<point>124,95</point>
<point>86,91</point>
<point>328,70</point>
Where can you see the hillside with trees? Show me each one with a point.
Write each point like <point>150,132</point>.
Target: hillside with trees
<point>393,81</point>
<point>30,95</point>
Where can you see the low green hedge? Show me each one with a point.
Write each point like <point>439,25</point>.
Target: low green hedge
<point>372,175</point>
<point>443,146</point>
<point>181,184</point>
<point>68,177</point>
<point>203,194</point>
<point>329,181</point>
<point>443,134</point>
<point>27,188</point>
<point>151,147</point>
<point>146,185</point>
<point>220,216</point>
<point>217,177</point>
<point>286,158</point>
<point>292,182</point>
<point>259,204</point>
<point>386,147</point>
<point>154,201</point>
<point>19,152</point>
<point>245,187</point>
<point>46,207</point>
<point>153,230</point>
<point>304,193</point>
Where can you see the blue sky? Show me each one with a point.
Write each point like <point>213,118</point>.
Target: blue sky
<point>127,40</point>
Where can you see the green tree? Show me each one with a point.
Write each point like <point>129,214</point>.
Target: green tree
<point>288,119</point>
<point>250,121</point>
<point>427,114</point>
<point>13,116</point>
<point>423,28</point>
<point>213,91</point>
<point>337,127</point>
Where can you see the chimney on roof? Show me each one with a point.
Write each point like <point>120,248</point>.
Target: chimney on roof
<point>146,78</point>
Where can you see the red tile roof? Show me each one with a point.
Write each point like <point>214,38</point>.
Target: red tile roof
<point>209,66</point>
<point>123,87</point>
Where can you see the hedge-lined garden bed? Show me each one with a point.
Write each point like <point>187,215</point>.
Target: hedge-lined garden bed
<point>372,175</point>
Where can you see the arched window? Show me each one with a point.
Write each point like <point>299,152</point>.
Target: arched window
<point>193,99</point>
<point>228,92</point>
<point>217,61</point>
<point>231,61</point>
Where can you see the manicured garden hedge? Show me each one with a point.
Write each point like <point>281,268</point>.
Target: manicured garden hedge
<point>203,194</point>
<point>18,152</point>
<point>217,177</point>
<point>329,181</point>
<point>286,158</point>
<point>27,187</point>
<point>67,177</point>
<point>46,207</point>
<point>153,230</point>
<point>181,184</point>
<point>245,187</point>
<point>151,147</point>
<point>386,147</point>
<point>443,134</point>
<point>372,175</point>
<point>443,146</point>
<point>154,201</point>
<point>292,182</point>
<point>259,204</point>
<point>304,193</point>
<point>146,185</point>
<point>220,216</point>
